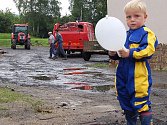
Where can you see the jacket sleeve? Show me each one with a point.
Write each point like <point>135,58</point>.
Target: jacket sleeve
<point>56,38</point>
<point>115,57</point>
<point>146,47</point>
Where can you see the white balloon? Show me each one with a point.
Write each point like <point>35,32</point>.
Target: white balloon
<point>110,33</point>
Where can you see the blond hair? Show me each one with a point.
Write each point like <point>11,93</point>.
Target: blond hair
<point>136,4</point>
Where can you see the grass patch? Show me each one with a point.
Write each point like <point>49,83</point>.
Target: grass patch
<point>39,42</point>
<point>5,35</point>
<point>5,40</point>
<point>3,108</point>
<point>99,65</point>
<point>9,96</point>
<point>6,95</point>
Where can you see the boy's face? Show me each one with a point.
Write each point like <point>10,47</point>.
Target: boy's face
<point>135,18</point>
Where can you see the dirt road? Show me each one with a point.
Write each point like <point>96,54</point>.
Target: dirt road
<point>73,92</point>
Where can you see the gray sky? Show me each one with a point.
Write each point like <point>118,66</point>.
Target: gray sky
<point>10,4</point>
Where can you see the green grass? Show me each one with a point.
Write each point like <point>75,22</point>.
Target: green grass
<point>99,65</point>
<point>8,96</point>
<point>5,43</point>
<point>5,40</point>
<point>5,35</point>
<point>39,42</point>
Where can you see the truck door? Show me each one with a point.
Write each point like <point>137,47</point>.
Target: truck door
<point>80,35</point>
<point>90,32</point>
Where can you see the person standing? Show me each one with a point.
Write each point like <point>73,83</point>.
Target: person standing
<point>51,41</point>
<point>60,50</point>
<point>133,75</point>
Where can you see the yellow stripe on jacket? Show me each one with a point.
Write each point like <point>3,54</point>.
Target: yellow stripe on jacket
<point>150,49</point>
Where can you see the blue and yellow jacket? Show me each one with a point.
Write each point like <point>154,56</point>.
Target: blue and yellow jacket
<point>133,75</point>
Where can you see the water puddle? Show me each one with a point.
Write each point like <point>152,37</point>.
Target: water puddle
<point>85,85</point>
<point>41,77</point>
<point>102,88</point>
<point>83,72</point>
<point>74,68</point>
<point>76,83</point>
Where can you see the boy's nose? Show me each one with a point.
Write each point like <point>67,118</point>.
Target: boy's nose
<point>132,18</point>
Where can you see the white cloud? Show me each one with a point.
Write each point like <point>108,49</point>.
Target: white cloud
<point>65,4</point>
<point>8,4</point>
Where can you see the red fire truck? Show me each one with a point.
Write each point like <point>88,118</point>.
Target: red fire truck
<point>74,35</point>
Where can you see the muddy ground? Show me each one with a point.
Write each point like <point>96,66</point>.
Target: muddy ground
<point>72,91</point>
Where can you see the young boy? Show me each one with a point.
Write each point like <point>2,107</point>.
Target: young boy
<point>133,75</point>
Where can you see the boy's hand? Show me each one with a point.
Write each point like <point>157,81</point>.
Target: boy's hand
<point>112,53</point>
<point>124,53</point>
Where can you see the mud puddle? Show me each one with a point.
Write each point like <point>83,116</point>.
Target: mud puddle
<point>76,78</point>
<point>103,88</point>
<point>83,80</point>
<point>37,70</point>
<point>87,84</point>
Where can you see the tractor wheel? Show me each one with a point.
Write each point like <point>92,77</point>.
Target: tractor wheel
<point>27,46</point>
<point>13,46</point>
<point>86,56</point>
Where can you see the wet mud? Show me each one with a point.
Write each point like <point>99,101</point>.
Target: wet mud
<point>75,83</point>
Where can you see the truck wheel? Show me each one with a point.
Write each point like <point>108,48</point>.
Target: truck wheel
<point>86,56</point>
<point>68,52</point>
<point>28,45</point>
<point>13,46</point>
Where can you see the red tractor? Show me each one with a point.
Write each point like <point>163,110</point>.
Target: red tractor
<point>20,36</point>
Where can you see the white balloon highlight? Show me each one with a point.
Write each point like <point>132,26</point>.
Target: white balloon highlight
<point>110,33</point>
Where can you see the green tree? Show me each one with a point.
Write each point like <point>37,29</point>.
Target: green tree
<point>88,10</point>
<point>7,19</point>
<point>40,14</point>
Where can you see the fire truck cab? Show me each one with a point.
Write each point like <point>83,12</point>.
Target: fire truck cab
<point>74,35</point>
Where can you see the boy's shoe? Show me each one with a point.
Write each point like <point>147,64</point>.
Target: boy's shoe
<point>146,118</point>
<point>50,57</point>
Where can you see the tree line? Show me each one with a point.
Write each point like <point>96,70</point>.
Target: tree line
<point>41,15</point>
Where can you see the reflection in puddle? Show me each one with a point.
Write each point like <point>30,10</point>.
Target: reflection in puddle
<point>41,77</point>
<point>76,83</point>
<point>74,68</point>
<point>84,72</point>
<point>87,86</point>
<point>103,88</point>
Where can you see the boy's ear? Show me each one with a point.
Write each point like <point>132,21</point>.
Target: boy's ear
<point>145,16</point>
